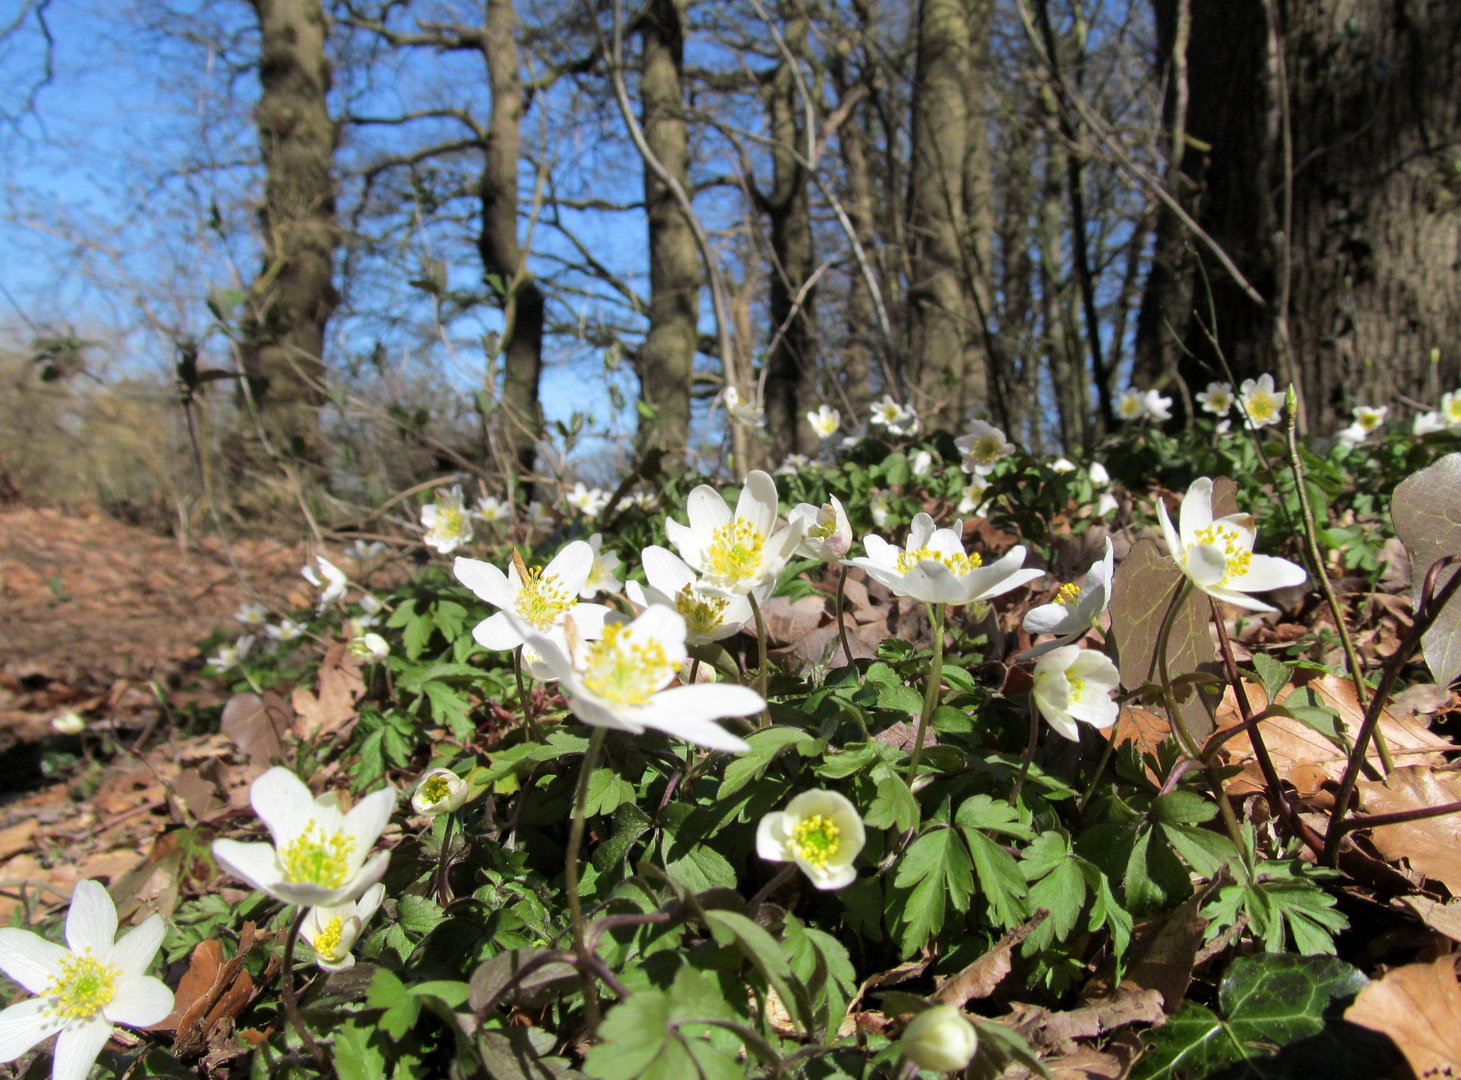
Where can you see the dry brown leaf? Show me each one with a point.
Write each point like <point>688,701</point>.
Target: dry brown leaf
<point>791,620</point>
<point>1129,1005</point>
<point>1442,918</point>
<point>18,837</point>
<point>980,978</point>
<point>340,687</point>
<point>1433,845</point>
<point>1162,954</point>
<point>257,725</point>
<point>212,992</point>
<point>1419,1007</point>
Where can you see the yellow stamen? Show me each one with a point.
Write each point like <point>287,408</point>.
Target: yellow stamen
<point>1069,593</point>
<point>1076,686</point>
<point>958,565</point>
<point>1260,407</point>
<point>434,790</point>
<point>702,614</point>
<point>541,598</point>
<point>317,858</point>
<point>816,840</point>
<point>327,941</point>
<point>985,449</point>
<point>734,552</point>
<point>622,670</point>
<point>1234,545</point>
<point>84,987</point>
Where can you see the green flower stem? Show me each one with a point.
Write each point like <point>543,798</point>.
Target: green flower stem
<point>522,696</point>
<point>842,617</point>
<point>1311,544</point>
<point>291,1003</point>
<point>930,696</point>
<point>1179,726</point>
<point>1106,753</point>
<point>570,872</point>
<point>443,887</point>
<point>1029,754</point>
<point>760,657</point>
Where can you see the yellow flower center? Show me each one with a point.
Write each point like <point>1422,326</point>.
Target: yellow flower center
<point>449,520</point>
<point>1370,421</point>
<point>734,552</point>
<point>435,789</point>
<point>1453,410</point>
<point>327,941</point>
<point>623,671</point>
<point>985,449</point>
<point>816,840</point>
<point>702,614</point>
<point>958,565</point>
<point>1260,407</point>
<point>317,858</point>
<point>1069,593</point>
<point>826,524</point>
<point>1129,406</point>
<point>541,599</point>
<point>84,987</point>
<point>1233,546</point>
<point>1076,686</point>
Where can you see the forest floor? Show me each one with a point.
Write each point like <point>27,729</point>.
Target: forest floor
<point>106,620</point>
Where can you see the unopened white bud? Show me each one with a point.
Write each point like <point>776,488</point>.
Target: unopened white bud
<point>941,1039</point>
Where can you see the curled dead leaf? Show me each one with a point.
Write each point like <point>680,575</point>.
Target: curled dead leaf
<point>1419,1007</point>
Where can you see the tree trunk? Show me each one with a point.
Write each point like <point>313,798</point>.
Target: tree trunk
<point>666,360</point>
<point>497,243</point>
<point>791,377</point>
<point>1376,204</point>
<point>948,360</point>
<point>862,333</point>
<point>294,296</point>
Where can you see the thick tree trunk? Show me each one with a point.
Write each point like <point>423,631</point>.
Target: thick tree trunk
<point>294,296</point>
<point>862,332</point>
<point>497,243</point>
<point>1018,380</point>
<point>791,377</point>
<point>666,360</point>
<point>949,224</point>
<point>1376,206</point>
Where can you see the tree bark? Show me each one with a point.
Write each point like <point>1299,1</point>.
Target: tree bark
<point>862,333</point>
<point>666,360</point>
<point>1376,204</point>
<point>950,227</point>
<point>294,295</point>
<point>791,376</point>
<point>497,243</point>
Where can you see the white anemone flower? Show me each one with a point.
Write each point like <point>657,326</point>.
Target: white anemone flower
<point>880,506</point>
<point>922,463</point>
<point>440,791</point>
<point>361,551</point>
<point>370,647</point>
<point>1073,684</point>
<point>1259,402</point>
<point>1106,505</point>
<point>1217,398</point>
<point>983,447</point>
<point>887,413</point>
<point>372,608</point>
<point>601,573</point>
<point>820,831</point>
<point>791,464</point>
<point>1098,474</point>
<point>971,499</point>
<point>1428,422</point>
<point>252,614</point>
<point>933,568</point>
<point>743,413</point>
<point>69,723</point>
<point>329,579</point>
<point>84,988</point>
<point>828,533</point>
<point>490,509</point>
<point>286,630</point>
<point>1076,608</point>
<point>231,656</point>
<point>1063,465</point>
<point>941,1039</point>
<point>738,553</point>
<point>332,931</point>
<point>1156,405</point>
<point>1217,554</point>
<point>586,500</point>
<point>448,524</point>
<point>825,421</point>
<point>628,680</point>
<point>1130,406</point>
<point>1366,420</point>
<point>319,855</point>
<point>671,583</point>
<point>1451,408</point>
<point>540,597</point>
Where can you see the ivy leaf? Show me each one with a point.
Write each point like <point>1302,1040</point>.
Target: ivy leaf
<point>1264,1004</point>
<point>936,868</point>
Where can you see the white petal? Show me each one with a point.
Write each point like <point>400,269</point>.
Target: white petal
<point>78,1046</point>
<point>92,921</point>
<point>1237,599</point>
<point>1063,726</point>
<point>1175,547</point>
<point>23,1025</point>
<point>30,959</point>
<point>134,953</point>
<point>831,876</point>
<point>665,570</point>
<point>1206,565</point>
<point>369,903</point>
<point>284,804</point>
<point>1196,512</point>
<point>879,550</point>
<point>551,653</point>
<point>588,620</point>
<point>664,625</point>
<point>484,579</point>
<point>496,633</point>
<point>641,598</point>
<point>1095,708</point>
<point>919,531</point>
<point>140,1002</point>
<point>255,863</point>
<point>571,566</point>
<point>758,502</point>
<point>367,820</point>
<point>1048,619</point>
<point>773,839</point>
<point>689,712</point>
<point>707,512</point>
<point>1266,572</point>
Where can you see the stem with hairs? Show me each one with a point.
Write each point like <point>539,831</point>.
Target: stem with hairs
<point>931,694</point>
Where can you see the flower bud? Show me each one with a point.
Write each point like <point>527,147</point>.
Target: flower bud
<point>440,792</point>
<point>371,647</point>
<point>69,723</point>
<point>940,1038</point>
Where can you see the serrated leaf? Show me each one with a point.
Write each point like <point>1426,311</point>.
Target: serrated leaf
<point>1205,851</point>
<point>893,807</point>
<point>607,790</point>
<point>418,914</point>
<point>936,868</point>
<point>1264,1003</point>
<point>1426,509</point>
<point>996,815</point>
<point>1273,675</point>
<point>765,746</point>
<point>401,1006</point>
<point>766,956</point>
<point>1000,880</point>
<point>1183,807</point>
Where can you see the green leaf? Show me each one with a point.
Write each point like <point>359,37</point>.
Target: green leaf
<point>936,868</point>
<point>1000,879</point>
<point>1273,675</point>
<point>632,1037</point>
<point>1185,807</point>
<point>418,914</point>
<point>893,807</point>
<point>766,956</point>
<point>401,1006</point>
<point>903,699</point>
<point>984,812</point>
<point>1155,878</point>
<point>354,1055</point>
<point>1264,1004</point>
<point>765,746</point>
<point>1205,851</point>
<point>607,790</point>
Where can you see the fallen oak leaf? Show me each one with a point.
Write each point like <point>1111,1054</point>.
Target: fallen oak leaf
<point>980,978</point>
<point>1432,845</point>
<point>1419,1007</point>
<point>340,687</point>
<point>257,725</point>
